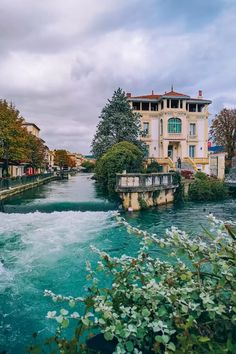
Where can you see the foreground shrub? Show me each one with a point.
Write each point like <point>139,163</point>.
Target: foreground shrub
<point>183,305</point>
<point>122,156</point>
<point>207,189</point>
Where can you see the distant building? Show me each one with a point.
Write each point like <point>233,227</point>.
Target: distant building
<point>174,125</point>
<point>32,128</point>
<point>49,158</point>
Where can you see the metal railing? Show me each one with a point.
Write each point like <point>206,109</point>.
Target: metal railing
<point>11,182</point>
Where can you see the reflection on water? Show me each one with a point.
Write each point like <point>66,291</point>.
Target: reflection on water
<point>47,249</point>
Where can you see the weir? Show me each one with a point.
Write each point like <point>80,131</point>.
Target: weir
<point>139,190</point>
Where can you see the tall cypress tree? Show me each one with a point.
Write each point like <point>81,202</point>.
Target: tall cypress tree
<point>117,123</point>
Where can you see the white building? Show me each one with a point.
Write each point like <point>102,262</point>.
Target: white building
<point>174,126</point>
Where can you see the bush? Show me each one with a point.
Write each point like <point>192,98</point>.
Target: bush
<point>201,175</point>
<point>207,189</point>
<point>185,305</point>
<point>122,156</point>
<point>179,193</point>
<point>154,167</point>
<point>88,166</point>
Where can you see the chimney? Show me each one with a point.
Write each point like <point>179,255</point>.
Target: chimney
<point>200,94</point>
<point>128,94</point>
<point>152,92</point>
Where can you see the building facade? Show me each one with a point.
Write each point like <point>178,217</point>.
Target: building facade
<point>174,125</point>
<point>32,128</point>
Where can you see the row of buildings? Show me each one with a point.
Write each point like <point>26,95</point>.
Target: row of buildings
<point>175,126</point>
<point>17,169</point>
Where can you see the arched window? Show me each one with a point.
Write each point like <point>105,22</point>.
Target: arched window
<point>174,125</point>
<point>161,127</point>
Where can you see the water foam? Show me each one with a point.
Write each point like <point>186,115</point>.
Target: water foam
<point>30,240</point>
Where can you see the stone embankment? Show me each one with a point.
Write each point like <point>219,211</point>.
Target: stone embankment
<point>138,191</point>
<point>37,181</point>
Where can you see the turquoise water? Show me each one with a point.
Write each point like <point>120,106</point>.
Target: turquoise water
<point>45,238</point>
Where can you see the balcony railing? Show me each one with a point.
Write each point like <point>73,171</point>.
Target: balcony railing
<point>143,182</point>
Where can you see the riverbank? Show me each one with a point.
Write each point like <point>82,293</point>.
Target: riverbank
<point>11,191</point>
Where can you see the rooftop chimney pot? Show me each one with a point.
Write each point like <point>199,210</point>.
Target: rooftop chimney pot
<point>200,93</point>
<point>128,94</point>
<point>152,92</point>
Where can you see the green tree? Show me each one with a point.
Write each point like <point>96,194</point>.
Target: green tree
<point>36,151</point>
<point>88,166</point>
<point>61,158</point>
<point>223,130</point>
<point>12,134</point>
<point>122,156</point>
<point>117,123</point>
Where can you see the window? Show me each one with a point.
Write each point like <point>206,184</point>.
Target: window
<point>147,150</point>
<point>192,107</point>
<point>145,128</point>
<point>192,129</point>
<point>145,106</point>
<point>154,106</point>
<point>192,151</point>
<point>174,103</point>
<point>161,127</point>
<point>136,106</point>
<point>174,125</point>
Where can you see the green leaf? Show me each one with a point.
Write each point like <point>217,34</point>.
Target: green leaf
<point>108,336</point>
<point>171,346</point>
<point>159,339</point>
<point>162,311</point>
<point>65,323</point>
<point>129,346</point>
<point>203,339</point>
<point>85,321</point>
<point>165,338</point>
<point>183,277</point>
<point>145,312</point>
<point>101,321</point>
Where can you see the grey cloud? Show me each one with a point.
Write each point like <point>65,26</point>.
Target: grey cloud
<point>61,61</point>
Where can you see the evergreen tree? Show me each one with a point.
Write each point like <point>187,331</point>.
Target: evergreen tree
<point>117,123</point>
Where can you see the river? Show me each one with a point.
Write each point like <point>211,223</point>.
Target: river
<point>45,238</point>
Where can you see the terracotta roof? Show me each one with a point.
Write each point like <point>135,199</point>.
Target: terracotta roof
<point>166,94</point>
<point>175,94</point>
<point>155,97</point>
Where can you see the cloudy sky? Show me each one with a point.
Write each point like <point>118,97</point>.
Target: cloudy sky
<point>60,60</point>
